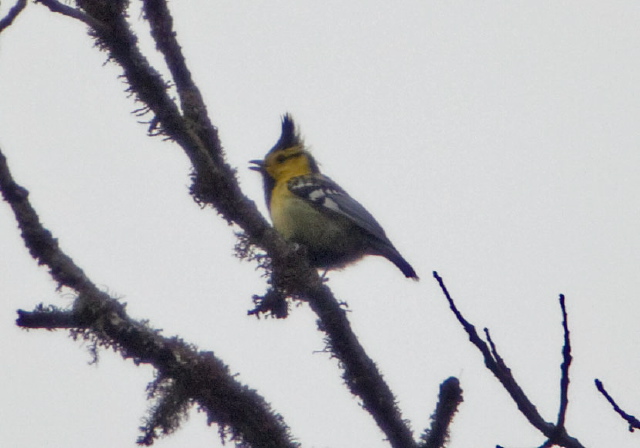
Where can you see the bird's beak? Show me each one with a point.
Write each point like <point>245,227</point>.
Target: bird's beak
<point>259,165</point>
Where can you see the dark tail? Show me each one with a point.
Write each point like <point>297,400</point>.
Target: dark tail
<point>389,252</point>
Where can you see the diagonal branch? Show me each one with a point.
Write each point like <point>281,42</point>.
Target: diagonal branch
<point>634,423</point>
<point>66,10</point>
<point>15,10</point>
<point>215,182</point>
<point>494,362</point>
<point>161,21</point>
<point>360,372</point>
<point>204,378</point>
<point>41,244</point>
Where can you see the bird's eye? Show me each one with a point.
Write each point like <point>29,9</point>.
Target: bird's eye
<point>281,158</point>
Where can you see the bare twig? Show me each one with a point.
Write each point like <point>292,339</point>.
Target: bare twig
<point>555,434</point>
<point>566,363</point>
<point>493,363</point>
<point>633,422</point>
<point>494,350</point>
<point>15,10</point>
<point>66,10</point>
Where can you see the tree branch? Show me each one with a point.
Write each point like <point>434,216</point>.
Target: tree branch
<point>634,423</point>
<point>192,103</point>
<point>492,360</point>
<point>15,10</point>
<point>49,318</point>
<point>66,10</point>
<point>564,368</point>
<point>449,399</point>
<point>41,244</point>
<point>215,184</point>
<point>360,372</point>
<point>203,377</point>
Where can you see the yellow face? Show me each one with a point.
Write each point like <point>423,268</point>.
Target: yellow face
<point>284,164</point>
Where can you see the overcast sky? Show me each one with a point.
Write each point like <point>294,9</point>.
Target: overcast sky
<point>497,143</point>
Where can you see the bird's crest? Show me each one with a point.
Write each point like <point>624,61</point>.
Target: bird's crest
<point>289,136</point>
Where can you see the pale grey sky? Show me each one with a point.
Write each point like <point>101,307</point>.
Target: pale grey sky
<point>496,143</point>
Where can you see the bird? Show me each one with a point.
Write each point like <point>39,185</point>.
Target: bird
<point>310,209</point>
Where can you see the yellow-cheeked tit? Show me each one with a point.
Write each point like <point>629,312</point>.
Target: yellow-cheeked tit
<point>308,208</point>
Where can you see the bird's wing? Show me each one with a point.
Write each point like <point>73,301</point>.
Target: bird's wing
<point>324,193</point>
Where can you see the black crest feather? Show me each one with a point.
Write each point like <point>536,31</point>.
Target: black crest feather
<point>289,136</point>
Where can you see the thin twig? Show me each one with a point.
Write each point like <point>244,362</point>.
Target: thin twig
<point>634,423</point>
<point>501,371</point>
<point>74,13</point>
<point>566,363</point>
<point>494,350</point>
